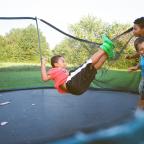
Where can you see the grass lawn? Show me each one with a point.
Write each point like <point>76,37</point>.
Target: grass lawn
<point>21,76</point>
<point>28,75</point>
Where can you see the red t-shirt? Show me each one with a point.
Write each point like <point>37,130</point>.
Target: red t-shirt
<point>59,76</point>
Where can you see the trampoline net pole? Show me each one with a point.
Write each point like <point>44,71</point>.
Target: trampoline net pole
<point>39,41</point>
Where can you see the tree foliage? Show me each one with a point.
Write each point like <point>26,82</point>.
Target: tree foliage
<point>92,28</point>
<point>21,45</point>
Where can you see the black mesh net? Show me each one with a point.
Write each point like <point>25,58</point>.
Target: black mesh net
<point>123,41</point>
<point>20,55</point>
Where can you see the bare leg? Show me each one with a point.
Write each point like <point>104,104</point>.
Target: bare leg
<point>96,57</point>
<point>101,61</point>
<point>141,104</point>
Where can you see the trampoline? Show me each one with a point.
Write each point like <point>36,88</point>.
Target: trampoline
<point>40,116</point>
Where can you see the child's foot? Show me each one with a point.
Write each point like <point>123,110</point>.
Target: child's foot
<point>108,47</point>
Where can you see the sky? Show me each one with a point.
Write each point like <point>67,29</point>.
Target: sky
<point>63,13</point>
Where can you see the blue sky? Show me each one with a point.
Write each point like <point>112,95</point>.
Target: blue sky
<point>62,13</point>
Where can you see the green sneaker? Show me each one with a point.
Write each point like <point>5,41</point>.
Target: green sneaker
<point>108,47</point>
<point>107,40</point>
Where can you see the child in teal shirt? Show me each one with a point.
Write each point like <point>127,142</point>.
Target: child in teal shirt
<point>139,46</point>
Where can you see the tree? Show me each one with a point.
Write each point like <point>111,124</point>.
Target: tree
<point>91,28</point>
<point>21,45</point>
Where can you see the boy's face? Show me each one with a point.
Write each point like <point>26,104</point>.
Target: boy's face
<point>138,31</point>
<point>61,63</point>
<point>141,48</point>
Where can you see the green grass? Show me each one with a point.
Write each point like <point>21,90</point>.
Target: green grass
<point>28,75</point>
<point>21,75</point>
<point>21,79</point>
<point>19,67</point>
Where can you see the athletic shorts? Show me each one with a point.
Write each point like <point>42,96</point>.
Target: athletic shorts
<point>141,89</point>
<point>80,79</point>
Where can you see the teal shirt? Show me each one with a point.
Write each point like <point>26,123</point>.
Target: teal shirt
<point>142,65</point>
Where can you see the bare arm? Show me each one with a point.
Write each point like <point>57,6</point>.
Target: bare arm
<point>44,75</point>
<point>134,56</point>
<point>134,68</point>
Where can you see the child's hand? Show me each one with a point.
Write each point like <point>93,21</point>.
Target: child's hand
<point>44,60</point>
<point>132,69</point>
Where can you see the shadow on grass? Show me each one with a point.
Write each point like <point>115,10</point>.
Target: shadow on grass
<point>21,68</point>
<point>25,68</point>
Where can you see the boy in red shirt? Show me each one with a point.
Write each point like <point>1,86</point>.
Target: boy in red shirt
<point>77,81</point>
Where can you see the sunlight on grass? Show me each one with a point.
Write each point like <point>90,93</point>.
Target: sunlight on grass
<point>25,65</point>
<point>17,64</point>
<point>20,66</point>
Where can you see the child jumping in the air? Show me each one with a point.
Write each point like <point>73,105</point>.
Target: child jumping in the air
<point>139,46</point>
<point>77,81</point>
